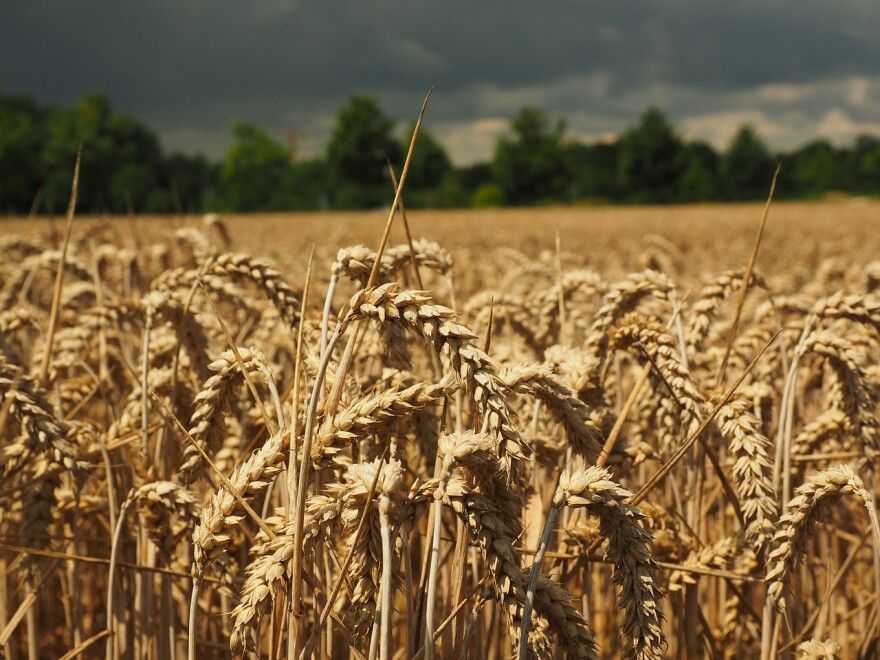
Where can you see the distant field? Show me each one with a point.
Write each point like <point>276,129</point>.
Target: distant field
<point>612,237</point>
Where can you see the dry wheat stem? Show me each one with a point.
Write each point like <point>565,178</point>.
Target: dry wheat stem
<point>494,538</point>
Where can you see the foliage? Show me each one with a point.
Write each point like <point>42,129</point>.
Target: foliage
<point>651,160</point>
<point>865,165</point>
<point>360,147</point>
<point>816,170</point>
<point>122,162</point>
<point>429,169</point>
<point>125,170</point>
<point>21,134</point>
<point>593,169</point>
<point>255,170</point>
<point>530,166</point>
<point>700,178</point>
<point>191,179</point>
<point>746,166</point>
<point>488,195</point>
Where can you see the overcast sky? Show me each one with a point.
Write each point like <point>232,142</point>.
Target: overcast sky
<point>794,69</point>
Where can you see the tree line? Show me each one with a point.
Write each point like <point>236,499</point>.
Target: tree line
<point>534,163</point>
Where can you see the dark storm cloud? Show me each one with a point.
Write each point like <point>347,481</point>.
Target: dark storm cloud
<point>190,68</point>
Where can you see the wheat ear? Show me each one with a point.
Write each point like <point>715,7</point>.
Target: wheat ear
<point>476,371</point>
<point>798,523</point>
<point>223,513</point>
<point>495,539</point>
<point>629,548</point>
<point>574,415</point>
<point>267,574</point>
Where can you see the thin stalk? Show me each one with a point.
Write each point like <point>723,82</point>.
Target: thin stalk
<point>687,444</point>
<point>59,274</point>
<point>412,144</point>
<point>410,604</point>
<point>331,599</point>
<point>472,622</point>
<point>6,648</point>
<point>563,326</point>
<point>244,372</point>
<point>193,609</point>
<point>782,460</point>
<point>385,583</point>
<point>31,595</point>
<point>328,303</point>
<point>345,362</point>
<point>75,595</point>
<point>627,406</point>
<point>28,602</point>
<point>111,649</point>
<point>292,470</point>
<point>432,571</point>
<point>409,241</point>
<point>77,650</point>
<point>745,285</point>
<point>835,582</point>
<point>305,464</point>
<point>533,580</point>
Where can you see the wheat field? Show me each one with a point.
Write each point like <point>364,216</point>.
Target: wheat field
<point>537,433</point>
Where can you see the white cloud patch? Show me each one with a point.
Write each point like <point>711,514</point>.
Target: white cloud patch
<point>839,127</point>
<point>469,142</point>
<point>718,129</point>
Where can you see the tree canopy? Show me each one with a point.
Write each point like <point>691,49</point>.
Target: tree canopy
<point>255,170</point>
<point>746,166</point>
<point>530,165</point>
<point>360,147</point>
<point>651,160</point>
<point>125,169</point>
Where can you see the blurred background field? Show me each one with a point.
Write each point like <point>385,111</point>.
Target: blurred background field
<point>711,237</point>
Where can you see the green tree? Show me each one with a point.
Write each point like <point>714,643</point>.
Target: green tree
<point>530,166</point>
<point>254,172</point>
<point>475,175</point>
<point>651,164</point>
<point>21,136</point>
<point>746,166</point>
<point>306,185</point>
<point>428,168</point>
<point>699,181</point>
<point>135,157</point>
<point>488,195</point>
<point>817,168</point>
<point>593,171</point>
<point>460,185</point>
<point>121,162</point>
<point>358,152</point>
<point>191,181</point>
<point>866,164</point>
<point>122,169</point>
<point>451,193</point>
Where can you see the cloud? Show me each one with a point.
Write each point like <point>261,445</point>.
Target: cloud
<point>469,142</point>
<point>785,115</point>
<point>190,69</point>
<point>838,126</point>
